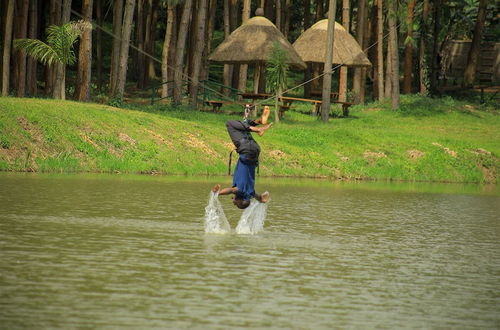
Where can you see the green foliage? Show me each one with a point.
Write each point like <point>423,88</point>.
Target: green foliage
<point>59,46</point>
<point>277,69</point>
<point>429,139</point>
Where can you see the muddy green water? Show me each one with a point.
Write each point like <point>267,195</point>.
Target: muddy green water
<point>104,251</point>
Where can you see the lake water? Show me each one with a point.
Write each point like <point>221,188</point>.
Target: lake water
<point>115,251</point>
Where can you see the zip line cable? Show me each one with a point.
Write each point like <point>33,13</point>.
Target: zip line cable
<point>190,79</point>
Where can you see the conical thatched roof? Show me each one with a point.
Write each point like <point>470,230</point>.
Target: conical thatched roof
<point>252,42</point>
<point>311,46</point>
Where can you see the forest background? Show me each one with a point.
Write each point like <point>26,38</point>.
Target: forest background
<point>136,44</point>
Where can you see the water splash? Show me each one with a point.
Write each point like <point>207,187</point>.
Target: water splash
<point>215,219</point>
<point>252,219</point>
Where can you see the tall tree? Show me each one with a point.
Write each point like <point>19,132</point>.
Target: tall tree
<point>31,66</point>
<point>245,16</point>
<point>198,51</point>
<point>388,72</point>
<point>115,49</point>
<point>228,68</point>
<point>327,78</point>
<point>124,48</point>
<point>360,36</point>
<point>278,15</point>
<point>393,40</point>
<point>140,27</point>
<point>380,50</point>
<point>343,68</point>
<point>181,46</point>
<point>58,49</point>
<point>85,55</point>
<point>473,55</point>
<point>22,32</point>
<point>98,44</point>
<point>422,66</point>
<point>209,36</point>
<point>287,14</point>
<point>59,91</point>
<point>166,58</point>
<point>307,24</point>
<point>151,23</point>
<point>408,68</point>
<point>7,42</point>
<point>435,46</point>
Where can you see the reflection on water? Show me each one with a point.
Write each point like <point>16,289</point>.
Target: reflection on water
<point>131,251</point>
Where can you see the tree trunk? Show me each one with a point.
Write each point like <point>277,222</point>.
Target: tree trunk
<point>31,66</point>
<point>139,59</point>
<point>181,46</point>
<point>319,10</point>
<point>50,70</point>
<point>288,14</point>
<point>278,15</point>
<point>360,35</point>
<point>115,50</point>
<point>198,51</point>
<point>388,72</point>
<point>327,78</point>
<point>307,14</point>
<point>209,36</point>
<point>165,58</point>
<point>85,56</point>
<point>245,16</point>
<point>124,47</point>
<point>422,66</point>
<point>60,68</point>
<point>366,44</point>
<point>150,41</point>
<point>475,47</point>
<point>234,24</point>
<point>435,47</point>
<point>7,44</point>
<point>343,69</point>
<point>22,32</point>
<point>409,49</point>
<point>393,40</point>
<point>380,50</point>
<point>98,14</point>
<point>228,68</point>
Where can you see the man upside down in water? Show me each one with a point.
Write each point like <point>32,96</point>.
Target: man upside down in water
<point>243,186</point>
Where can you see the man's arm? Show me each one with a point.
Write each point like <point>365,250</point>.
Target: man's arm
<point>225,191</point>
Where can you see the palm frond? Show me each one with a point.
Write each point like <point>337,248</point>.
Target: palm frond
<point>38,50</point>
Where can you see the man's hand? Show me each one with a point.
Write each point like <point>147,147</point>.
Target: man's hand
<point>216,188</point>
<point>264,128</point>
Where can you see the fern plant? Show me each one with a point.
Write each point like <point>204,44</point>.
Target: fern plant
<point>59,46</point>
<point>277,73</point>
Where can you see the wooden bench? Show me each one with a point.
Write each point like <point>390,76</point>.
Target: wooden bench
<point>287,101</point>
<point>217,104</point>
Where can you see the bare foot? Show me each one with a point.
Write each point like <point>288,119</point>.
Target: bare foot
<point>216,188</point>
<point>265,115</point>
<point>264,128</point>
<point>264,198</point>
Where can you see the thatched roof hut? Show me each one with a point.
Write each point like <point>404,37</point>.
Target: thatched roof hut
<point>252,43</point>
<point>311,46</point>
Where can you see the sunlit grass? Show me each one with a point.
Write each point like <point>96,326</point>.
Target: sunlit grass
<point>425,140</point>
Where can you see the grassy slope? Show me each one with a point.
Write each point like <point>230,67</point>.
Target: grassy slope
<point>427,140</point>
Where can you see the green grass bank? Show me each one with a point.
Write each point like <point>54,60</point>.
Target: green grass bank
<point>438,140</point>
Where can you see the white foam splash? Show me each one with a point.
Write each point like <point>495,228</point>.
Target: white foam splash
<point>215,219</point>
<point>252,219</point>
